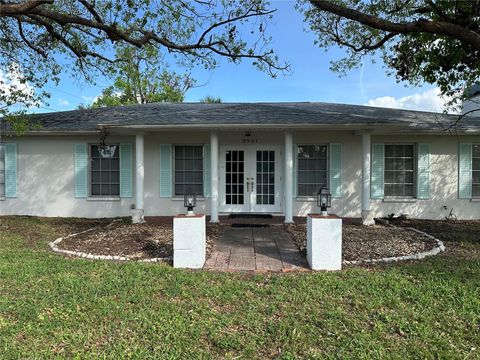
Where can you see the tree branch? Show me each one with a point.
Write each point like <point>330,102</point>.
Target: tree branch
<point>422,25</point>
<point>455,123</point>
<point>29,44</point>
<point>80,53</point>
<point>139,37</point>
<point>9,9</point>
<point>92,10</point>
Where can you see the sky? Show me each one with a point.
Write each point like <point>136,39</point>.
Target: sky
<point>310,78</point>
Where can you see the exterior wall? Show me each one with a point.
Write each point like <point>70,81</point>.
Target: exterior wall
<point>46,176</point>
<point>350,204</point>
<point>443,181</point>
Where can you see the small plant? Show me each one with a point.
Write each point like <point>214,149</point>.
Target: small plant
<point>451,215</point>
<point>403,217</point>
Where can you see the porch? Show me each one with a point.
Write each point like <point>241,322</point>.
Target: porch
<point>254,171</point>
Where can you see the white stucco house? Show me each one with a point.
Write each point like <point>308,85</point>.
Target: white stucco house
<point>242,158</point>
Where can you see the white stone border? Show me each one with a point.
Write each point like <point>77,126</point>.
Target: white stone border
<point>418,256</point>
<point>54,248</point>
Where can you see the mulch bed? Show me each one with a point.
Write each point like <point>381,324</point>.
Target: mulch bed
<point>136,241</point>
<point>461,237</point>
<point>370,242</point>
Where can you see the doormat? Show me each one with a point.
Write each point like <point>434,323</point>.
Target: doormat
<point>250,216</point>
<point>249,225</point>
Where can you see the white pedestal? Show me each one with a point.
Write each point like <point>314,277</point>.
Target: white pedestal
<point>189,241</point>
<point>324,242</point>
<point>137,216</point>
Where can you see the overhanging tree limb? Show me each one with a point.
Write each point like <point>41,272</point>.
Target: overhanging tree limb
<point>9,8</point>
<point>139,36</point>
<point>421,25</point>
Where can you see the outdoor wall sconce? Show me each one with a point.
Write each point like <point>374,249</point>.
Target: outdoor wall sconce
<point>324,201</point>
<point>190,201</point>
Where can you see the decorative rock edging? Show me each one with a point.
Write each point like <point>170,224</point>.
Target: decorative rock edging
<point>418,256</point>
<point>55,248</point>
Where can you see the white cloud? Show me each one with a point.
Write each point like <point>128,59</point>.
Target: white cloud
<point>429,100</point>
<point>13,85</point>
<point>63,102</point>
<point>89,99</point>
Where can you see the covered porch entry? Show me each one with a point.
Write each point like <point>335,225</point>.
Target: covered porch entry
<point>251,173</point>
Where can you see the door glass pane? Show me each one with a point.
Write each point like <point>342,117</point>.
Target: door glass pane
<point>265,177</point>
<point>234,177</point>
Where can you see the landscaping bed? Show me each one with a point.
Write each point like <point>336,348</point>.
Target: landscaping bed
<point>461,237</point>
<point>132,241</point>
<point>371,242</point>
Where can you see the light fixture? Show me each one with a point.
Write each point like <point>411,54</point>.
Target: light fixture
<point>190,201</point>
<point>324,201</point>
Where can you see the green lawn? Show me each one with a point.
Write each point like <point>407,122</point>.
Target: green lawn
<point>52,306</point>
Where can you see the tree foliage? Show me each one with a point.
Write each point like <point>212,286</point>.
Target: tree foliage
<point>139,79</point>
<point>211,100</point>
<point>433,41</point>
<point>45,37</point>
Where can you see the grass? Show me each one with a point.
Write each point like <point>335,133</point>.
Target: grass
<point>51,306</point>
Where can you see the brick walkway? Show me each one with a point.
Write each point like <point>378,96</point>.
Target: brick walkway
<point>255,249</point>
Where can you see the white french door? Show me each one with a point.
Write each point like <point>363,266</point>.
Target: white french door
<point>250,179</point>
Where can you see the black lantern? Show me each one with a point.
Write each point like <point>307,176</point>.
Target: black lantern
<point>324,200</point>
<point>190,201</point>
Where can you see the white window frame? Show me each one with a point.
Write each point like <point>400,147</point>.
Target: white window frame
<point>474,196</point>
<point>174,170</point>
<point>327,184</point>
<point>90,159</point>
<point>3,185</point>
<point>415,171</point>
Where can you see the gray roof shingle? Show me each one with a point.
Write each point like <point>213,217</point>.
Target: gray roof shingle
<point>255,114</point>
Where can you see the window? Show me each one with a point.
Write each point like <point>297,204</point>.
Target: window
<point>476,170</point>
<point>399,170</point>
<point>312,164</point>
<point>2,170</point>
<point>188,163</point>
<point>104,170</point>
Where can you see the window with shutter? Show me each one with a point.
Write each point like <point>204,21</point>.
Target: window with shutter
<point>476,170</point>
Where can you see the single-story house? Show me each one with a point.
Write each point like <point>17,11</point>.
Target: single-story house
<point>242,158</point>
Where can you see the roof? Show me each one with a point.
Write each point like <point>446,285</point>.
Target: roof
<point>288,114</point>
<point>473,91</point>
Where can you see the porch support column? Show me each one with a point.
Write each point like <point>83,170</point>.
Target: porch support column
<point>367,218</point>
<point>139,179</point>
<point>288,151</point>
<point>214,174</point>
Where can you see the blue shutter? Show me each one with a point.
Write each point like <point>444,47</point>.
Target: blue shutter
<point>81,167</point>
<point>336,170</point>
<point>165,170</point>
<point>377,171</point>
<point>125,170</point>
<point>295,170</point>
<point>10,170</point>
<point>207,175</point>
<point>465,171</point>
<point>423,172</point>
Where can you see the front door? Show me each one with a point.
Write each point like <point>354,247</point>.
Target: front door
<point>250,179</point>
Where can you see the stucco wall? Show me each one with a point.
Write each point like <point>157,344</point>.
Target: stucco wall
<point>46,182</point>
